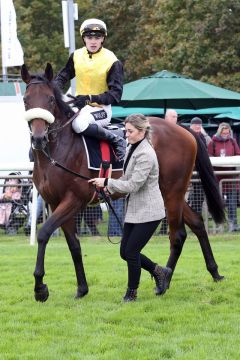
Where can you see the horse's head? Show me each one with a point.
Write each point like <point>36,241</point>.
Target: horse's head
<point>40,104</point>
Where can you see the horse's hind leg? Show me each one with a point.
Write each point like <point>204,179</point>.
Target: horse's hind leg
<point>75,249</point>
<point>196,224</point>
<point>177,236</point>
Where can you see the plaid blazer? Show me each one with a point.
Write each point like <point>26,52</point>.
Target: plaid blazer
<point>140,181</point>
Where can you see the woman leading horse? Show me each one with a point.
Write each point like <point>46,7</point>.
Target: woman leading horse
<point>52,138</point>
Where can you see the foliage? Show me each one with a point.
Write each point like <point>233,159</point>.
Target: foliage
<point>196,319</point>
<point>196,38</point>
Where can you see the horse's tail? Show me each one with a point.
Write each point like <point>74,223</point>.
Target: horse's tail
<point>209,182</point>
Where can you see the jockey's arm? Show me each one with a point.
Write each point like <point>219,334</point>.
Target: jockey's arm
<point>115,86</point>
<point>65,74</point>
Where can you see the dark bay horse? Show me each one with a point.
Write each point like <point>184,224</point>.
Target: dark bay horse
<point>51,132</point>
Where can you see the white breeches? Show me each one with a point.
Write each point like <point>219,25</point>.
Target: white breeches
<point>90,115</point>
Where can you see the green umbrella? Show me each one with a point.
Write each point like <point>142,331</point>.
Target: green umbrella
<point>233,114</point>
<point>168,90</point>
<point>119,111</point>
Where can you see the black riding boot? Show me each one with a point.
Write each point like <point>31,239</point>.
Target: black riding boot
<point>162,277</point>
<point>119,144</point>
<point>131,295</point>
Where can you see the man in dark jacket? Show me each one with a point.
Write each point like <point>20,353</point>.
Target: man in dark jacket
<point>196,197</point>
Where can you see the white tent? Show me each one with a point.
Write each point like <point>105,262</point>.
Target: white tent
<point>14,133</point>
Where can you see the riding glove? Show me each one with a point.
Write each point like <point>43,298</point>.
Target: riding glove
<point>81,101</point>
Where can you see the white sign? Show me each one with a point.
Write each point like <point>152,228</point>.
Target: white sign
<point>12,53</point>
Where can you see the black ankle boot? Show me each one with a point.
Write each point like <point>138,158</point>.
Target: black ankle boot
<point>131,295</point>
<point>162,277</point>
<point>118,143</point>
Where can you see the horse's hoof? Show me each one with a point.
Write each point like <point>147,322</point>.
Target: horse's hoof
<point>81,293</point>
<point>162,278</point>
<point>218,278</point>
<point>41,294</point>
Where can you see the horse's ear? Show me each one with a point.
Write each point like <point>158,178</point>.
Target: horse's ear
<point>25,74</point>
<point>49,72</point>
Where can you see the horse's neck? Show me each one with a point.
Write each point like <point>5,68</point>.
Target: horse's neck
<point>62,138</point>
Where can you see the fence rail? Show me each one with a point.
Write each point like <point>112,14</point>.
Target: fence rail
<point>96,221</point>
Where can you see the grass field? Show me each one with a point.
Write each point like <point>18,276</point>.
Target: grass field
<point>195,319</point>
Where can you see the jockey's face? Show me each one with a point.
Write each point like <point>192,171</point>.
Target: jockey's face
<point>93,43</point>
<point>133,135</point>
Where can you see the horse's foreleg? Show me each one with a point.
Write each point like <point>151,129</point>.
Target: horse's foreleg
<point>60,216</point>
<point>40,289</point>
<point>75,249</point>
<point>196,224</point>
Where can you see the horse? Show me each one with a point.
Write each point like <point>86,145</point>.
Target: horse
<point>54,142</point>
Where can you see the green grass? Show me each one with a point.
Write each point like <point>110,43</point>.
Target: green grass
<point>195,319</point>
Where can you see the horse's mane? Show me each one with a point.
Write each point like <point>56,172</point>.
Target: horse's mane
<point>63,107</point>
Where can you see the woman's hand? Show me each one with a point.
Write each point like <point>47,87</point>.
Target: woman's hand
<point>97,181</point>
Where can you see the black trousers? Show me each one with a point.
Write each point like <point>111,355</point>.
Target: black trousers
<point>135,237</point>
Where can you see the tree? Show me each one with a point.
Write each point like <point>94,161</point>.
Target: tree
<point>197,38</point>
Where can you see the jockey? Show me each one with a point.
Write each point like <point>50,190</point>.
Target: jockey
<point>99,84</point>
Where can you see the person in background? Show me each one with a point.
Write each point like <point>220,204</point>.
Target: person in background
<point>39,212</point>
<point>40,204</point>
<point>114,228</point>
<point>196,126</point>
<point>11,193</point>
<point>144,208</point>
<point>171,116</point>
<point>99,84</point>
<point>223,144</point>
<point>196,197</point>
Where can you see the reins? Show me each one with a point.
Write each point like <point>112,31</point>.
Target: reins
<point>98,190</point>
<point>64,125</point>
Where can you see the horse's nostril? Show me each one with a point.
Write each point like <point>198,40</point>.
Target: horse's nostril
<point>39,143</point>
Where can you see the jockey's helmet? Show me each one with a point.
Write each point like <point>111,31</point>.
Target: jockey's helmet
<point>93,27</point>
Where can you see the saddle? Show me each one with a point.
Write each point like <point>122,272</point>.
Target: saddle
<point>100,157</point>
<point>97,151</point>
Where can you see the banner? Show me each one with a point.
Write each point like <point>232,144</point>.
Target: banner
<point>12,53</point>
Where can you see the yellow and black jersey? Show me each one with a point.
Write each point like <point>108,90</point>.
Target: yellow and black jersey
<point>99,75</point>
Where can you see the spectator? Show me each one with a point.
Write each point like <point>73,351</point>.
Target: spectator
<point>196,196</point>
<point>10,194</point>
<point>196,126</point>
<point>40,204</point>
<point>223,144</point>
<point>114,228</point>
<point>171,116</point>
